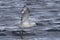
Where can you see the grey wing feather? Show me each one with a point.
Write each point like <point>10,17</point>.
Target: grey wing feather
<point>25,14</point>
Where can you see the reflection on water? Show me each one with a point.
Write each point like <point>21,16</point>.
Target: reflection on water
<point>44,12</point>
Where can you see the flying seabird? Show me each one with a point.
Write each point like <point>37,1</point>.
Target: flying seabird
<point>25,23</point>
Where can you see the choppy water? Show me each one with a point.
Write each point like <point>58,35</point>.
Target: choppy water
<point>46,13</point>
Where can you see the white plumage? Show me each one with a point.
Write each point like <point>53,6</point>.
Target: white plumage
<point>25,18</point>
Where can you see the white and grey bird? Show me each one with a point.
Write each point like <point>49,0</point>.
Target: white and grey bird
<point>25,18</point>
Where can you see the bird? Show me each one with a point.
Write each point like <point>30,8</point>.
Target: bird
<point>25,22</point>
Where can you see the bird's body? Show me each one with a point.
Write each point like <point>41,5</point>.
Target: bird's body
<point>25,18</point>
<point>27,24</point>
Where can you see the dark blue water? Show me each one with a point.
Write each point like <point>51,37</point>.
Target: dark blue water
<point>46,13</point>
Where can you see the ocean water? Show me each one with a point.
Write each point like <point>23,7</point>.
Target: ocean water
<point>46,14</point>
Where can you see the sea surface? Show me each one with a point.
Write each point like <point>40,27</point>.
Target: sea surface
<point>46,14</point>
